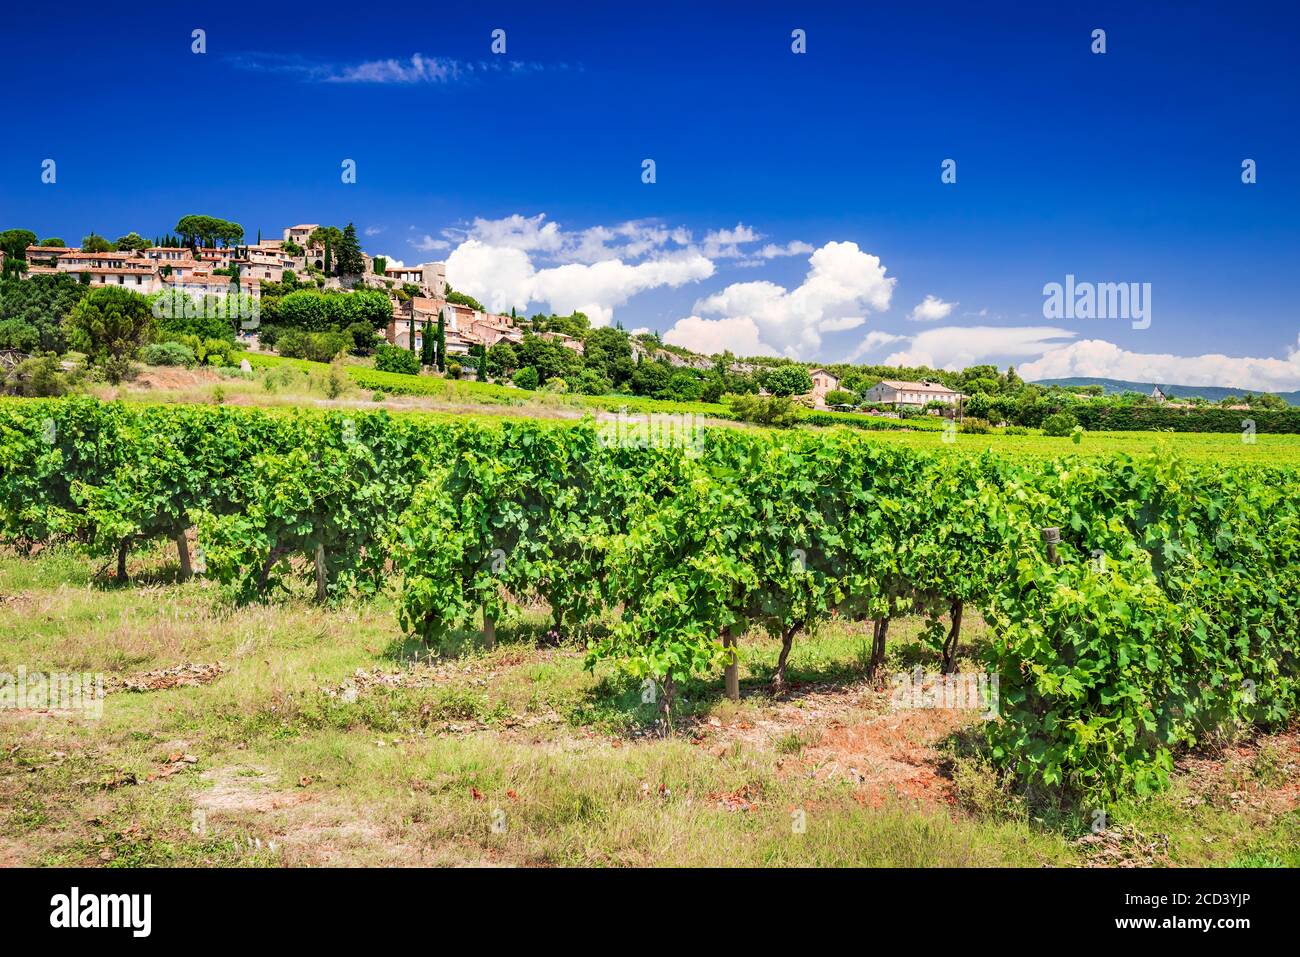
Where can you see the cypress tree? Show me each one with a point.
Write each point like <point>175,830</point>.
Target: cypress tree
<point>327,256</point>
<point>427,345</point>
<point>482,365</point>
<point>442,343</point>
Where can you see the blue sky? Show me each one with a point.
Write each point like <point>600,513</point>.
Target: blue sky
<point>798,206</point>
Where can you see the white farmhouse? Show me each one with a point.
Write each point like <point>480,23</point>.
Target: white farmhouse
<point>897,392</point>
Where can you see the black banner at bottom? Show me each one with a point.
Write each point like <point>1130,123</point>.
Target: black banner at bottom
<point>337,906</point>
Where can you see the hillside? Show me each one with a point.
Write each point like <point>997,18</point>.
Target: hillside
<point>1211,392</point>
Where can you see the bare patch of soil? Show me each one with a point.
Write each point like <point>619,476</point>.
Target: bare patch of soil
<point>850,733</point>
<point>181,676</point>
<point>1258,775</point>
<point>169,378</point>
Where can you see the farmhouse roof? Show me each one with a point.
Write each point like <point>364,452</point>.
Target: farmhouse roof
<point>900,385</point>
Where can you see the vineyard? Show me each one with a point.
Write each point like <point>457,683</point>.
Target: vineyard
<point>1137,605</point>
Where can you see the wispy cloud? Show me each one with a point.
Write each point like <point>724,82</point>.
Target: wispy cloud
<point>415,69</point>
<point>427,244</point>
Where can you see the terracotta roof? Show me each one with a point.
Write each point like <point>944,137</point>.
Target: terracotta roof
<point>78,254</point>
<point>205,280</point>
<point>118,271</point>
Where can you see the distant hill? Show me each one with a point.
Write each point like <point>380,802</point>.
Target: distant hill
<point>1211,392</point>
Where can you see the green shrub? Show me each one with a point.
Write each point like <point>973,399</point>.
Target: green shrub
<point>526,378</point>
<point>40,377</point>
<point>313,346</point>
<point>1059,425</point>
<point>389,358</point>
<point>167,354</point>
<point>975,426</point>
<point>772,410</point>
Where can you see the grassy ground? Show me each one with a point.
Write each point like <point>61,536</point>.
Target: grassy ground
<point>327,738</point>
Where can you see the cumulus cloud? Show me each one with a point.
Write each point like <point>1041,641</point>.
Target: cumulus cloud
<point>956,347</point>
<point>711,336</point>
<point>1100,359</point>
<point>842,285</point>
<point>633,239</point>
<point>873,340</point>
<point>597,288</point>
<point>931,309</point>
<point>504,276</point>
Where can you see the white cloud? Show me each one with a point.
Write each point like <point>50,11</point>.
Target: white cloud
<point>633,239</point>
<point>417,69</point>
<point>726,243</point>
<point>931,309</point>
<point>711,336</point>
<point>956,347</point>
<point>597,288</point>
<point>1101,359</point>
<point>504,276</point>
<point>873,340</point>
<point>374,230</point>
<point>393,262</point>
<point>795,248</point>
<point>842,284</point>
<point>427,244</point>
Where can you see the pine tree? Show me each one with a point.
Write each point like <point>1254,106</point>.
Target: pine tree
<point>351,261</point>
<point>442,343</point>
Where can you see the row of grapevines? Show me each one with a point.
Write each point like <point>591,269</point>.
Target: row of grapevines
<point>1170,612</point>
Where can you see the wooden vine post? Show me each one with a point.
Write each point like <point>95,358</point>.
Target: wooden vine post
<point>733,665</point>
<point>1052,538</point>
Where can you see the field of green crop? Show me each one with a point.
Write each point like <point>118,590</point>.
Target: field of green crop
<point>396,628</point>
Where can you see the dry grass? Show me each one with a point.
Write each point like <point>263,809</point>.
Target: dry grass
<point>330,739</point>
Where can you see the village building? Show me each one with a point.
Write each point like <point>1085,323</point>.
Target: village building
<point>47,255</point>
<point>465,327</point>
<point>823,383</point>
<point>300,235</point>
<point>912,394</point>
<point>430,276</point>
